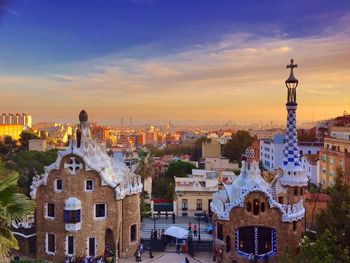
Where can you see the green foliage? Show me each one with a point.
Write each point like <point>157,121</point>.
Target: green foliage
<point>7,145</point>
<point>28,164</point>
<point>237,145</point>
<point>24,138</point>
<point>144,164</point>
<point>179,169</point>
<point>325,249</point>
<point>13,206</point>
<point>163,187</point>
<point>335,217</point>
<point>145,208</point>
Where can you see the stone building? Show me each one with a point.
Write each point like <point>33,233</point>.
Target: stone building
<point>85,202</point>
<point>260,220</point>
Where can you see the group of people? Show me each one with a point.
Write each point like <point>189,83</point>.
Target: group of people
<point>86,259</point>
<point>138,253</point>
<point>158,234</point>
<point>195,230</point>
<point>108,257</point>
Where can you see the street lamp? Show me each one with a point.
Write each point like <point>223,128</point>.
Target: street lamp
<point>199,217</point>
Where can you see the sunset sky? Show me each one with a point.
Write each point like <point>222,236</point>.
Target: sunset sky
<point>188,61</point>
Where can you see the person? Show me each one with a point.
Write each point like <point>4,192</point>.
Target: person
<point>195,230</point>
<point>178,248</point>
<point>138,256</point>
<point>173,215</point>
<point>141,247</point>
<point>152,234</point>
<point>166,215</point>
<point>186,260</point>
<point>189,227</point>
<point>251,258</point>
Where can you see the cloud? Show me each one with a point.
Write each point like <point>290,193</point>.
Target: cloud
<point>241,77</point>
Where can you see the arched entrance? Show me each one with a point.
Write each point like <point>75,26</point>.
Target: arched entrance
<point>110,242</point>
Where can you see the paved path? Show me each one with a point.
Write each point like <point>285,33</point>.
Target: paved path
<point>147,226</point>
<point>172,258</point>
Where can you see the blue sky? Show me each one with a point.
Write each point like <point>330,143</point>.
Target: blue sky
<point>56,41</point>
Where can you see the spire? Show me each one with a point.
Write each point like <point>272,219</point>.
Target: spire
<point>293,173</point>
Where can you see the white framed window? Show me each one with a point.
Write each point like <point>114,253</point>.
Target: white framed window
<point>100,211</point>
<point>58,185</point>
<point>133,233</point>
<point>70,245</point>
<point>91,246</point>
<point>89,185</point>
<point>50,244</point>
<point>50,212</point>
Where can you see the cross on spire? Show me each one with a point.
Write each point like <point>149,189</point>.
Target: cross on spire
<point>292,65</point>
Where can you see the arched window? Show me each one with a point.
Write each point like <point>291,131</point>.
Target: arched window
<point>78,138</point>
<point>296,191</point>
<point>249,206</point>
<point>256,207</point>
<point>262,207</point>
<point>228,244</point>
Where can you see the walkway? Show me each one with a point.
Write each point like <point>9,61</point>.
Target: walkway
<point>171,258</point>
<point>147,226</point>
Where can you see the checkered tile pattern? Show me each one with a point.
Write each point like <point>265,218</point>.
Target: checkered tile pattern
<point>291,151</point>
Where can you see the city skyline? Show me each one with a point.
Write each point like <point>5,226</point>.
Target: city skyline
<point>193,62</point>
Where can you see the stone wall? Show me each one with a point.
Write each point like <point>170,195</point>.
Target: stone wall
<point>131,215</point>
<point>74,186</point>
<point>239,217</point>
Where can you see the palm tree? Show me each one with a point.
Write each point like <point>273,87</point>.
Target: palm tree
<point>14,206</point>
<point>144,168</point>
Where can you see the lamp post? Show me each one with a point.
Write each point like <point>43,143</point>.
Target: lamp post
<point>199,217</point>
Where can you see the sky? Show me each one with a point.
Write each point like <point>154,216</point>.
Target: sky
<point>187,61</point>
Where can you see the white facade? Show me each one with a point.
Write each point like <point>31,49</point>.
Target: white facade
<point>310,164</point>
<point>272,151</point>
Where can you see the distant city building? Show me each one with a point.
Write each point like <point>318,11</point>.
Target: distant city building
<point>266,133</point>
<point>194,193</point>
<point>13,130</point>
<point>271,151</point>
<point>219,164</point>
<point>211,149</point>
<point>335,154</point>
<point>22,119</point>
<point>38,145</point>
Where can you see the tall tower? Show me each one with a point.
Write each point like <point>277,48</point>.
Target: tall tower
<point>293,174</point>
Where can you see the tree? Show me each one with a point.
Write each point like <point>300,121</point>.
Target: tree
<point>14,206</point>
<point>7,146</point>
<point>335,217</point>
<point>25,137</point>
<point>179,169</point>
<point>237,145</point>
<point>144,165</point>
<point>28,164</point>
<point>324,249</point>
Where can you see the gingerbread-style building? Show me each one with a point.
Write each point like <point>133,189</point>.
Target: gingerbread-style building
<point>86,201</point>
<point>260,220</point>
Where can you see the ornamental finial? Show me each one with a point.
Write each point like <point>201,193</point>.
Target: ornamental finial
<point>292,78</point>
